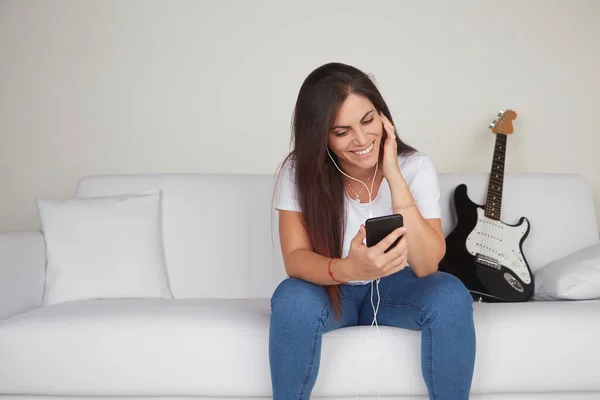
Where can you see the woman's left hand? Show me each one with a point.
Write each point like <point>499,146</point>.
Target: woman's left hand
<point>390,166</point>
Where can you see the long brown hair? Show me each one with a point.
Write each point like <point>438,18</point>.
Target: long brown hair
<point>319,185</point>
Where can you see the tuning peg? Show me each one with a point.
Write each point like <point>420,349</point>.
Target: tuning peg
<point>493,124</point>
<point>501,113</point>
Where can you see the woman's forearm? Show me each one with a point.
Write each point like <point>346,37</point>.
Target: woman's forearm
<point>426,246</point>
<point>312,267</point>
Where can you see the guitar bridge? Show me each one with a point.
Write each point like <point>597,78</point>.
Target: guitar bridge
<point>487,261</point>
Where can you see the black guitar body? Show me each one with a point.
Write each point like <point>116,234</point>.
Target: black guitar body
<point>486,282</point>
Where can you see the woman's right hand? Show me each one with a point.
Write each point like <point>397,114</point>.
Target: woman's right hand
<point>369,263</point>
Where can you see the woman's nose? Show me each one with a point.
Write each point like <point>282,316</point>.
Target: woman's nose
<point>362,137</point>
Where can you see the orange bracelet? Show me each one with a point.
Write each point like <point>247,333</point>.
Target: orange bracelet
<point>330,274</point>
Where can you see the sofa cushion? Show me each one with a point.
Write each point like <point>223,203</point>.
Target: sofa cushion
<point>220,348</point>
<point>103,247</point>
<point>221,232</point>
<point>574,277</point>
<point>125,347</point>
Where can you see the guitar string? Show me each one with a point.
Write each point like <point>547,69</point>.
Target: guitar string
<point>492,207</point>
<point>490,239</point>
<point>495,173</point>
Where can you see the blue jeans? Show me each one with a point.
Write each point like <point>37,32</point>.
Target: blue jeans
<point>439,305</point>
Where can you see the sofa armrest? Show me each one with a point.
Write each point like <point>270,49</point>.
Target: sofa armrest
<point>22,272</point>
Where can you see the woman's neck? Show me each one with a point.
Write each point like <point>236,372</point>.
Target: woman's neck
<point>360,173</point>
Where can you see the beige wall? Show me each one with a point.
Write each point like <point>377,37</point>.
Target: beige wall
<point>101,87</point>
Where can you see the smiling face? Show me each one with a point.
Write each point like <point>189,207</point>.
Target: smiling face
<point>355,137</point>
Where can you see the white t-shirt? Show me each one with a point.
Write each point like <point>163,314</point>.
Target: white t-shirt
<point>418,171</point>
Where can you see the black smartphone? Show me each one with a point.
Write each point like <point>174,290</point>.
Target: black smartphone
<point>380,227</point>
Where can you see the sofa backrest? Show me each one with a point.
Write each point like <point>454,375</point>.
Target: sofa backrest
<point>220,232</point>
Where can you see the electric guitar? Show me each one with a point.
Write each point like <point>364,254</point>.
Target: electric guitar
<point>484,252</point>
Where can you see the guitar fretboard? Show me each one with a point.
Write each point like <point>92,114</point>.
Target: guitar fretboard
<point>493,205</point>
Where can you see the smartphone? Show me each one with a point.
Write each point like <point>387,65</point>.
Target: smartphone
<point>380,227</point>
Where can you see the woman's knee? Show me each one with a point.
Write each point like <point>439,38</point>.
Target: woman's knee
<point>450,293</point>
<point>299,299</point>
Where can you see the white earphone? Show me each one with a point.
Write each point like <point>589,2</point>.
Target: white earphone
<point>372,182</point>
<point>375,309</point>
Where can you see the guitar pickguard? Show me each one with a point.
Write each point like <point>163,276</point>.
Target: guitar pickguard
<point>495,240</point>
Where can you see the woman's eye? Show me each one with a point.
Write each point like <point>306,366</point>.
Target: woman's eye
<point>341,133</point>
<point>368,122</point>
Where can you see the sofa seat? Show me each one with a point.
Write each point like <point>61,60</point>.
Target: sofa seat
<point>192,347</point>
<point>125,347</point>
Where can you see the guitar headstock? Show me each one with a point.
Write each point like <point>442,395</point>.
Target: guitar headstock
<point>503,124</point>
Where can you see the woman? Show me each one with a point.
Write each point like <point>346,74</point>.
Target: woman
<point>347,165</point>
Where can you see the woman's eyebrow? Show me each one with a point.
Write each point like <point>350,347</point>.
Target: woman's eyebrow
<point>347,127</point>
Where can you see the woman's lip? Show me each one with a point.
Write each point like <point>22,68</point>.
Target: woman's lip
<point>372,144</point>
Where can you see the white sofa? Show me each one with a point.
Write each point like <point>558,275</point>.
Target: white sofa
<point>211,340</point>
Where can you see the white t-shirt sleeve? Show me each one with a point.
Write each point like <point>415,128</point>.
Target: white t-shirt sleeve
<point>285,195</point>
<point>426,190</point>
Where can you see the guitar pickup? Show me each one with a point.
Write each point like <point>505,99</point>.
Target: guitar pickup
<point>487,261</point>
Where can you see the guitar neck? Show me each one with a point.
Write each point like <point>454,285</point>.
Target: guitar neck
<point>493,205</point>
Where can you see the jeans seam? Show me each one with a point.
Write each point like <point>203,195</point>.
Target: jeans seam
<point>430,361</point>
<point>320,322</point>
<point>402,304</point>
<point>430,342</point>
